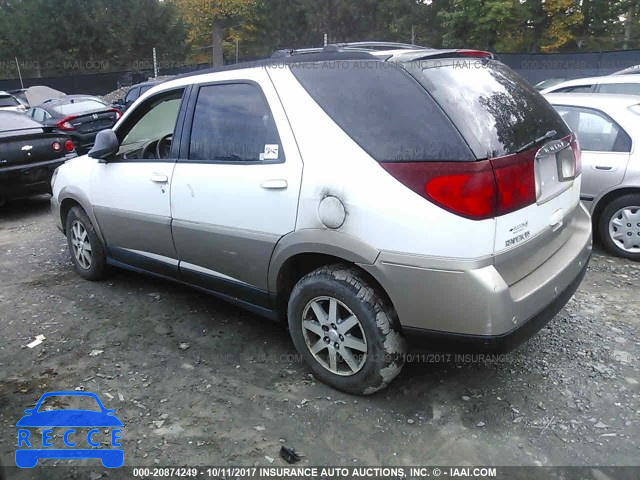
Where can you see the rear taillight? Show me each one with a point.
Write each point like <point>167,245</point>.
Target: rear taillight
<point>56,147</point>
<point>470,194</point>
<point>516,181</point>
<point>65,124</point>
<point>475,190</point>
<point>69,146</point>
<point>118,113</point>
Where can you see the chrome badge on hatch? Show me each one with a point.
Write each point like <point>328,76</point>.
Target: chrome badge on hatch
<point>552,148</point>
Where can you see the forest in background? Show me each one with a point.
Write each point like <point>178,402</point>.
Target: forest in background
<point>57,37</point>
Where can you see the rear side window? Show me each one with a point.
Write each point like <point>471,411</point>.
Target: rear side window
<point>596,131</point>
<point>383,109</point>
<point>576,89</point>
<point>497,110</point>
<point>233,123</point>
<point>624,88</point>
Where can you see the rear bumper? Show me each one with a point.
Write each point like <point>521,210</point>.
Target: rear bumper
<point>24,180</point>
<point>456,342</point>
<point>471,303</point>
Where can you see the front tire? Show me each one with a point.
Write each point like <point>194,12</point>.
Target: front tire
<point>87,252</point>
<point>345,330</point>
<point>619,227</point>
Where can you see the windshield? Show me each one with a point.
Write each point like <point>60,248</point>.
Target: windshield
<point>496,110</point>
<point>69,402</point>
<point>79,107</point>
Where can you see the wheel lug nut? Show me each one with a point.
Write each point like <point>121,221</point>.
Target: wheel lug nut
<point>337,345</point>
<point>342,338</point>
<point>326,339</point>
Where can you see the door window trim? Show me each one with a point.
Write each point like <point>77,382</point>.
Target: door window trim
<point>185,143</point>
<point>177,131</point>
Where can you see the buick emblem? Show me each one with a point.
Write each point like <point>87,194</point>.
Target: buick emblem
<point>552,148</point>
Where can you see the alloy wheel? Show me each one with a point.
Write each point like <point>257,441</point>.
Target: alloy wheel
<point>334,336</point>
<point>81,245</point>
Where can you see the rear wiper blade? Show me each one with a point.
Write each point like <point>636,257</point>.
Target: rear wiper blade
<point>547,136</point>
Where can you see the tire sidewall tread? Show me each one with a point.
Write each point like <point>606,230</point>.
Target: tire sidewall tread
<point>386,346</point>
<point>99,268</point>
<point>605,218</point>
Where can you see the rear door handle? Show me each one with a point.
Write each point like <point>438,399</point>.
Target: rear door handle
<point>602,167</point>
<point>279,184</point>
<point>156,178</point>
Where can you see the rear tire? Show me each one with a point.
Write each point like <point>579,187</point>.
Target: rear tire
<point>87,252</point>
<point>345,330</point>
<point>619,227</point>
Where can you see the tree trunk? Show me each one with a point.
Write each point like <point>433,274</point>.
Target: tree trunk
<point>217,59</point>
<point>628,28</point>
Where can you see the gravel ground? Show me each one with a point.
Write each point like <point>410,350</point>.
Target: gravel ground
<point>199,382</point>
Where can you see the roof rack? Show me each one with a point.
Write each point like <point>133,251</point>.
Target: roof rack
<point>354,46</point>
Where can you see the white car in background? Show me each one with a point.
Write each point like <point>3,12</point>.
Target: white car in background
<point>9,103</point>
<point>608,129</point>
<point>618,84</point>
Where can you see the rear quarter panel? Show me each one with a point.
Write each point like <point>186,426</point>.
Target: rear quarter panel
<point>379,210</point>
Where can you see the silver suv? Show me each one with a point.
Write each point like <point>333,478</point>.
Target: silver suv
<point>367,195</point>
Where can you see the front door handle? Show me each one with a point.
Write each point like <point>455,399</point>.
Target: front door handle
<point>279,184</point>
<point>602,167</point>
<point>156,178</point>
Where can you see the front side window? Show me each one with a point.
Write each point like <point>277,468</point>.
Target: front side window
<point>596,131</point>
<point>233,123</point>
<point>148,132</point>
<point>622,88</point>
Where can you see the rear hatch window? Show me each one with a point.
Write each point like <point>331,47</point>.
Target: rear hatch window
<point>384,110</point>
<point>496,110</point>
<point>8,101</point>
<point>79,107</point>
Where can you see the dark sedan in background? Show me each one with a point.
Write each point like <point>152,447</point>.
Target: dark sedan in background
<point>79,116</point>
<point>29,154</point>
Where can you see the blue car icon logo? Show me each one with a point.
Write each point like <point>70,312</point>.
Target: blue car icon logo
<point>81,431</point>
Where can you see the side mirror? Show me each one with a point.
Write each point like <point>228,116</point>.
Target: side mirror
<point>105,146</point>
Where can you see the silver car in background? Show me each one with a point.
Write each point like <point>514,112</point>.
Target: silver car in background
<point>608,129</point>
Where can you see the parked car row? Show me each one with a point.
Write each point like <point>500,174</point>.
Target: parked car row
<point>79,116</point>
<point>40,114</point>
